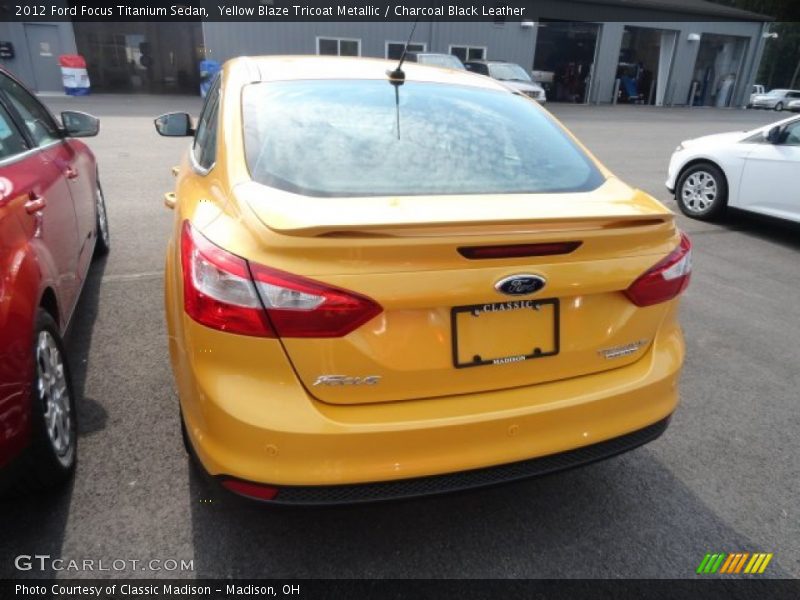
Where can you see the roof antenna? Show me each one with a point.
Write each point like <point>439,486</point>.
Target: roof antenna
<point>398,76</point>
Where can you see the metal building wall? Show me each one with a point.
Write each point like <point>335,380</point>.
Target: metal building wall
<point>683,63</point>
<point>509,41</point>
<point>21,65</point>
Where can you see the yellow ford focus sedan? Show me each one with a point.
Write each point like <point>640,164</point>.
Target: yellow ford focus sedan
<point>386,282</point>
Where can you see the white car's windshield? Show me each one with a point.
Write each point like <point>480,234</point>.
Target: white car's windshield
<point>776,92</point>
<point>508,72</point>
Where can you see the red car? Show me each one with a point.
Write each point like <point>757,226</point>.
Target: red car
<point>52,222</point>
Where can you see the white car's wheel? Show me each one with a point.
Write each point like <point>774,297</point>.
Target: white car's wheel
<point>702,192</point>
<point>779,106</point>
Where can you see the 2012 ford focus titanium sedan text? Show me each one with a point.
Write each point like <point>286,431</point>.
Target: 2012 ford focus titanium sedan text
<point>388,283</point>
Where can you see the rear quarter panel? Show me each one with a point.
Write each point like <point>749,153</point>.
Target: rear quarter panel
<point>27,269</point>
<point>20,290</point>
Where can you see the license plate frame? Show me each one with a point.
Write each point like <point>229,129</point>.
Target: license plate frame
<point>471,308</point>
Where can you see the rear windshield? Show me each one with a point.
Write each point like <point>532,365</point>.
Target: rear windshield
<point>357,138</point>
<point>508,72</point>
<point>440,60</point>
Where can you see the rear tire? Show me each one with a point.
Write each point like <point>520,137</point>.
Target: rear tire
<point>779,106</point>
<point>103,244</point>
<point>702,192</point>
<point>50,459</point>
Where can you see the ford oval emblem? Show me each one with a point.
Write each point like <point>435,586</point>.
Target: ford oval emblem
<point>520,285</point>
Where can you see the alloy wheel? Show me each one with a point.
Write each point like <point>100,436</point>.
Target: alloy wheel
<point>51,382</point>
<point>699,192</point>
<point>102,219</point>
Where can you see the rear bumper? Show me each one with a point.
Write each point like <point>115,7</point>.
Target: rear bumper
<point>465,480</point>
<point>269,430</point>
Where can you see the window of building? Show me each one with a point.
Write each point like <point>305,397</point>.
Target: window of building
<point>465,53</point>
<point>338,46</point>
<point>394,50</point>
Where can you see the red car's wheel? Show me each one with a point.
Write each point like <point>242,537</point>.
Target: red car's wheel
<point>51,457</point>
<point>101,228</point>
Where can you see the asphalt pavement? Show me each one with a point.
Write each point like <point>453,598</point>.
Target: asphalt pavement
<point>723,478</point>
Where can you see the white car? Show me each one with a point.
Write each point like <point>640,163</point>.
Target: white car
<point>775,99</point>
<point>756,90</point>
<point>510,74</point>
<point>757,170</point>
<point>793,106</point>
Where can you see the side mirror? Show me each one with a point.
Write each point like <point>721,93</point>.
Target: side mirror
<point>773,136</point>
<point>174,125</point>
<point>80,124</point>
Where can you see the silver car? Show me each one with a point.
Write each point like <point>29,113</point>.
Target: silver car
<point>776,99</point>
<point>793,106</point>
<point>446,61</point>
<point>511,74</point>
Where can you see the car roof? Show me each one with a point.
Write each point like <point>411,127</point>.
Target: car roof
<point>291,68</point>
<point>491,62</point>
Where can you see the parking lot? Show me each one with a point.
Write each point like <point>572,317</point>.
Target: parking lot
<point>724,477</point>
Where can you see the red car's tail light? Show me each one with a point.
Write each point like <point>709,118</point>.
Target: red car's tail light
<point>666,279</point>
<point>303,308</point>
<point>225,292</point>
<point>217,289</point>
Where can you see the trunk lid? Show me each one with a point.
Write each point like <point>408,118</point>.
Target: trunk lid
<point>447,326</point>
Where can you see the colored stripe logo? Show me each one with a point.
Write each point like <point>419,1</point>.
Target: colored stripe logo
<point>735,563</point>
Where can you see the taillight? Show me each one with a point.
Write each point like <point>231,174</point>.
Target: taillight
<point>217,289</point>
<point>666,279</point>
<point>299,307</point>
<point>225,292</point>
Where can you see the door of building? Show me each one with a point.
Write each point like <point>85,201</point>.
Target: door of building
<point>44,47</point>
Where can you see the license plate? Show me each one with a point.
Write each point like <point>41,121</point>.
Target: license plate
<point>504,332</point>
